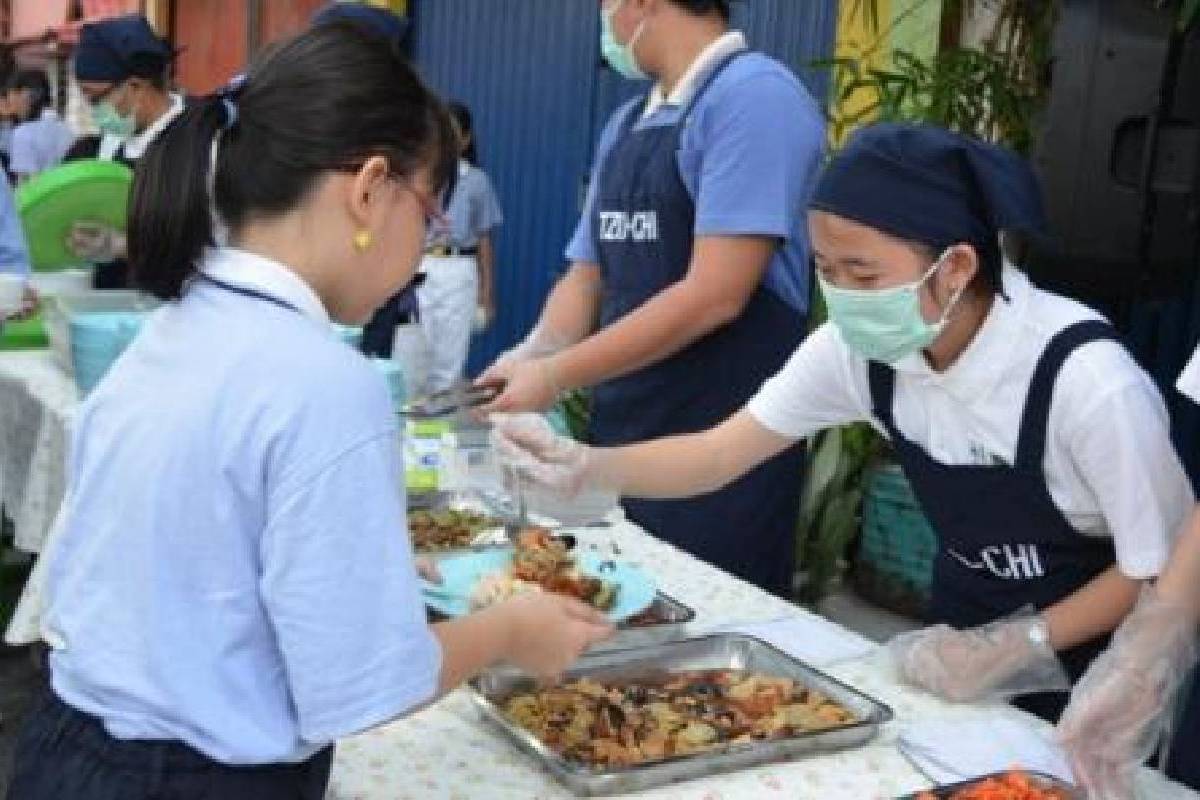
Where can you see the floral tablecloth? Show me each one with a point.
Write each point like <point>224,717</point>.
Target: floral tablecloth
<point>448,751</point>
<point>37,404</point>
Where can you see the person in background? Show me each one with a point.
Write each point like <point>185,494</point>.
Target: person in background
<point>234,589</point>
<point>122,68</point>
<point>1039,450</point>
<point>40,139</point>
<point>14,255</point>
<point>458,293</point>
<point>690,270</point>
<point>381,333</point>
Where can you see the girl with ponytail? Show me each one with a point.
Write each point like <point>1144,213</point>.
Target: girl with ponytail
<point>232,589</point>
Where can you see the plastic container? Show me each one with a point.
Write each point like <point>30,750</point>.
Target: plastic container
<point>59,310</point>
<point>97,341</point>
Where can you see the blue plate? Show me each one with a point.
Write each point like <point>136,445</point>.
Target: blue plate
<point>460,574</point>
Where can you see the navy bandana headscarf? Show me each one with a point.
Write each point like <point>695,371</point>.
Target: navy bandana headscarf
<point>926,184</point>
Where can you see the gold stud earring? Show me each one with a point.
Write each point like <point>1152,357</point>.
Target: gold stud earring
<point>362,240</point>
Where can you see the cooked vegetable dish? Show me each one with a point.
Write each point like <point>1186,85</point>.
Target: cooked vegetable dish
<point>634,722</point>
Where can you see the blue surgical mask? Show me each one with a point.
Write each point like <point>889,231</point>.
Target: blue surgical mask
<point>885,324</point>
<point>620,56</point>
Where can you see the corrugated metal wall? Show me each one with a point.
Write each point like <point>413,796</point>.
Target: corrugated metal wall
<point>530,71</point>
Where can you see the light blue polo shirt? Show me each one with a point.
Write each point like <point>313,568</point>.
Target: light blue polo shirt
<point>234,571</point>
<point>749,157</point>
<point>474,210</point>
<point>39,144</point>
<point>14,256</point>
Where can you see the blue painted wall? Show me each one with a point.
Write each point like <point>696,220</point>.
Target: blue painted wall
<point>531,72</point>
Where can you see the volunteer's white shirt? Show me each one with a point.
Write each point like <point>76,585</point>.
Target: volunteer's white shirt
<point>1109,465</point>
<point>233,570</point>
<point>1189,380</point>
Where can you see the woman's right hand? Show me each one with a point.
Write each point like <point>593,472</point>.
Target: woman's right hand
<point>547,633</point>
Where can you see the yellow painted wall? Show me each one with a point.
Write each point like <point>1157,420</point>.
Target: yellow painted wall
<point>911,25</point>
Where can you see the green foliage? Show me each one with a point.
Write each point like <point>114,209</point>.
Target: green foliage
<point>967,90</point>
<point>1188,14</point>
<point>576,407</point>
<point>831,506</point>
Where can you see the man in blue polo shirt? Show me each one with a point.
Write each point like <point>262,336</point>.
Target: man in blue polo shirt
<point>689,278</point>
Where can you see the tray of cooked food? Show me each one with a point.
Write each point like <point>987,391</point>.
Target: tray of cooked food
<point>1013,785</point>
<point>628,720</point>
<point>449,528</point>
<point>538,562</point>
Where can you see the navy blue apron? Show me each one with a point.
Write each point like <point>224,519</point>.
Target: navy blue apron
<point>1184,764</point>
<point>1003,543</point>
<point>643,227</point>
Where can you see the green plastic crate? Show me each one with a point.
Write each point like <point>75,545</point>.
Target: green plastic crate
<point>894,568</point>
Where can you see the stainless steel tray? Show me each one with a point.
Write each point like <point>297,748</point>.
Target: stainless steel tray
<point>946,792</point>
<point>719,651</point>
<point>666,620</point>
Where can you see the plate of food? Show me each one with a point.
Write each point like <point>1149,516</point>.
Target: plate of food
<point>1014,785</point>
<point>540,562</point>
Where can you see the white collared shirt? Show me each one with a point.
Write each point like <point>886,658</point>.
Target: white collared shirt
<point>135,146</point>
<point>1109,464</point>
<point>717,51</point>
<point>233,570</point>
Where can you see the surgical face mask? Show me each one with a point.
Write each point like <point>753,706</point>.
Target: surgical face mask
<point>113,122</point>
<point>620,56</point>
<point>885,324</point>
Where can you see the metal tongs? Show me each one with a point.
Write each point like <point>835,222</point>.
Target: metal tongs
<point>451,401</point>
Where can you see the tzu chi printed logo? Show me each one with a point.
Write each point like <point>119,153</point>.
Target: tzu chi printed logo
<point>1012,562</point>
<point>624,226</point>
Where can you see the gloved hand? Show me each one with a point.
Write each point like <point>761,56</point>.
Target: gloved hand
<point>996,661</point>
<point>96,242</point>
<point>1119,708</point>
<point>528,444</point>
<point>540,343</point>
<point>28,307</point>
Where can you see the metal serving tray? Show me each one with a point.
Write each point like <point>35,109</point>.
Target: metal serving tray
<point>719,651</point>
<point>1042,780</point>
<point>666,620</point>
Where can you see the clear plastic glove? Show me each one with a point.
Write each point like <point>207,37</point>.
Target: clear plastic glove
<point>96,242</point>
<point>1120,707</point>
<point>530,445</point>
<point>540,343</point>
<point>996,661</point>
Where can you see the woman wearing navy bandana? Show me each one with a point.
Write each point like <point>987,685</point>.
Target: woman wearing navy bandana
<point>1038,448</point>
